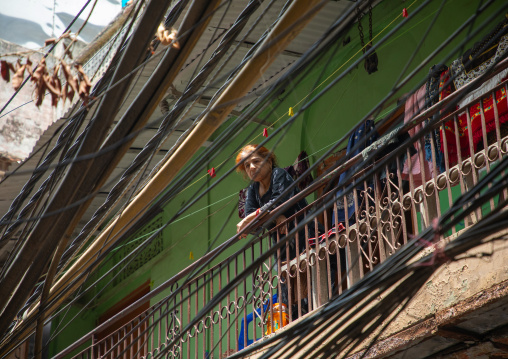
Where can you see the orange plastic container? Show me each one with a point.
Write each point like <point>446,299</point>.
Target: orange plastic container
<point>277,321</point>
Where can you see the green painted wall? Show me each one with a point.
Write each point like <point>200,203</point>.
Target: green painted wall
<point>69,326</point>
<point>320,126</point>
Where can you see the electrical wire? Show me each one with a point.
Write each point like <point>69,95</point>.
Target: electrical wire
<point>66,136</point>
<point>211,151</point>
<point>139,67</point>
<point>214,79</point>
<point>21,198</point>
<point>236,24</point>
<point>299,102</point>
<point>483,224</point>
<point>168,120</point>
<point>88,157</point>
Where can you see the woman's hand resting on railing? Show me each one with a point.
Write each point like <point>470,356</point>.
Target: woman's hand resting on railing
<point>244,223</point>
<point>247,220</point>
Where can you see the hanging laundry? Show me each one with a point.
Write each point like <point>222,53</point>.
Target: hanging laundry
<point>391,141</point>
<point>433,96</point>
<point>486,48</point>
<point>487,87</point>
<point>421,172</point>
<point>363,137</point>
<point>488,111</point>
<point>463,77</point>
<point>300,165</point>
<point>242,197</point>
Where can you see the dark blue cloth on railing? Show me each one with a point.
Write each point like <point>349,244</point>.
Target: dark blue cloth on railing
<point>431,98</point>
<point>363,137</point>
<point>280,180</point>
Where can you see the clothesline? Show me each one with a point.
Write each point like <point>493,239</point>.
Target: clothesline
<point>306,96</point>
<point>351,161</point>
<point>387,111</point>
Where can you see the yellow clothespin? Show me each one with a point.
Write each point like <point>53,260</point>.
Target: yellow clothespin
<point>291,113</point>
<point>191,256</point>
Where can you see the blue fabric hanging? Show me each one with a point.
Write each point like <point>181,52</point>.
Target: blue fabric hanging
<point>363,137</point>
<point>431,98</point>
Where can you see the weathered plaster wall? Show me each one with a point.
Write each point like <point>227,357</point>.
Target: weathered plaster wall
<point>482,268</point>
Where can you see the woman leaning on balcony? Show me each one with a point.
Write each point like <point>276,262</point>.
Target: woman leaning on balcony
<point>268,183</point>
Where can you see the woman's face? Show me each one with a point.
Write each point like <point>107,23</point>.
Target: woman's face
<point>257,168</point>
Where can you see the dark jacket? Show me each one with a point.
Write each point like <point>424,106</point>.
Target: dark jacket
<point>280,180</point>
